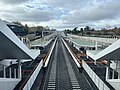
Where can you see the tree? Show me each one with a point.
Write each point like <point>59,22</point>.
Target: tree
<point>92,29</point>
<point>104,31</point>
<point>68,31</point>
<point>65,32</point>
<point>87,28</point>
<point>18,23</point>
<point>26,28</point>
<point>40,28</point>
<point>74,31</point>
<point>81,31</point>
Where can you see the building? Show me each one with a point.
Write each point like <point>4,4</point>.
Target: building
<point>12,50</point>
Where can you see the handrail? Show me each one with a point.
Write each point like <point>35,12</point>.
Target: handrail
<point>46,57</point>
<point>77,61</point>
<point>46,60</point>
<point>95,78</point>
<point>31,80</point>
<point>23,84</point>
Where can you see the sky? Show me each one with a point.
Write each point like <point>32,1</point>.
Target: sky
<point>62,14</point>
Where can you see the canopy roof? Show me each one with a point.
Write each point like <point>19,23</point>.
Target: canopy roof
<point>112,52</point>
<point>11,47</point>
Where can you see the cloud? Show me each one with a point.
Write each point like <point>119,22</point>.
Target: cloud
<point>93,13</point>
<point>63,13</point>
<point>13,1</point>
<point>22,14</point>
<point>69,4</point>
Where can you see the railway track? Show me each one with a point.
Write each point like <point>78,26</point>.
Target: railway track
<point>29,67</point>
<point>62,73</point>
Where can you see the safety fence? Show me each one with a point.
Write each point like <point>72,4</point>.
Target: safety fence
<point>98,82</point>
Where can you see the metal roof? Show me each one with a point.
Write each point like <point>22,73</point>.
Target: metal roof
<point>112,52</point>
<point>11,47</point>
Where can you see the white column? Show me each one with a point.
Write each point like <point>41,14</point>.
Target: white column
<point>108,69</point>
<point>113,74</point>
<point>95,62</point>
<point>42,33</point>
<point>14,73</point>
<point>119,69</point>
<point>22,39</point>
<point>106,73</point>
<point>96,44</point>
<point>117,64</point>
<point>4,72</point>
<point>19,69</point>
<point>10,72</point>
<point>87,56</point>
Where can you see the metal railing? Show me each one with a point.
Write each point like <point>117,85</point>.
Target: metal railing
<point>31,80</point>
<point>98,82</point>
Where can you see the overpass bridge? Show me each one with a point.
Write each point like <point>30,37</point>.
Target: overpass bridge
<point>60,66</point>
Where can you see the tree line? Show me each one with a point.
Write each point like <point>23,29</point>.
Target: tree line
<point>82,31</point>
<point>92,32</point>
<point>34,29</point>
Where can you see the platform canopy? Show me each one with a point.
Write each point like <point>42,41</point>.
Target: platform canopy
<point>11,47</point>
<point>112,52</point>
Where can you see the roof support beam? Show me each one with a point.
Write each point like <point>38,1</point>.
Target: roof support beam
<point>19,69</point>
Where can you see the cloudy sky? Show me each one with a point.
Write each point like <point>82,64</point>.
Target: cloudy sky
<point>61,14</point>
